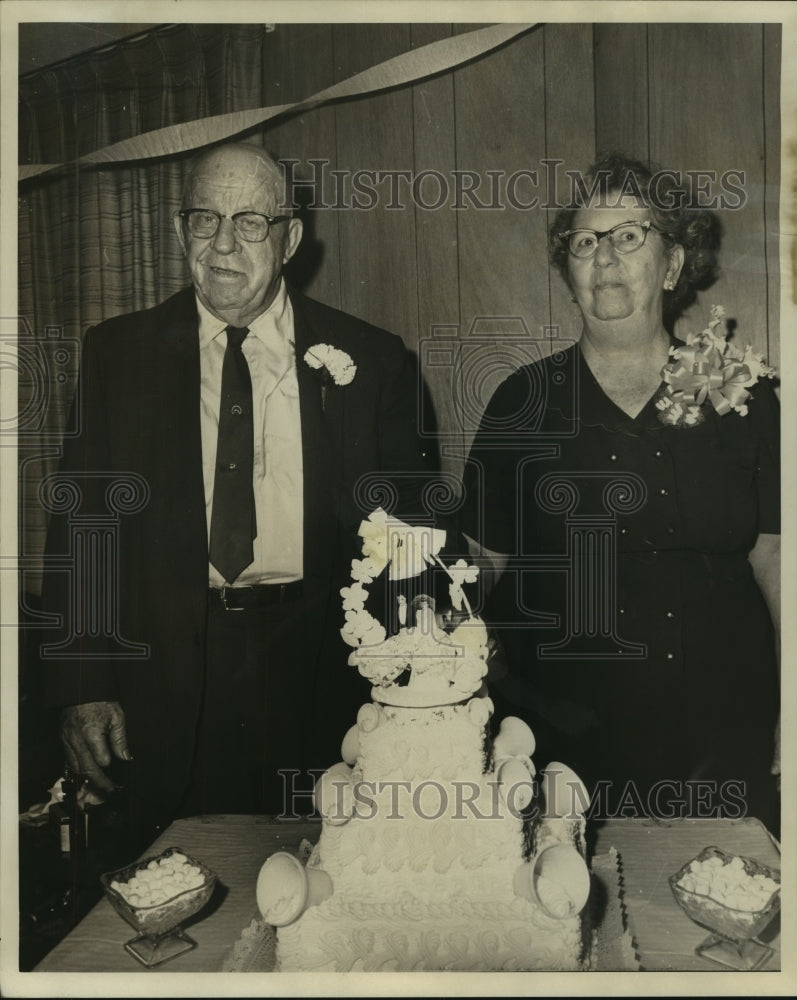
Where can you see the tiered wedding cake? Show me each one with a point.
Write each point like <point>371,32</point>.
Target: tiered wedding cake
<point>440,849</point>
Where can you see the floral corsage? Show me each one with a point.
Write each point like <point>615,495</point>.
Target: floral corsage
<point>339,366</point>
<point>707,370</point>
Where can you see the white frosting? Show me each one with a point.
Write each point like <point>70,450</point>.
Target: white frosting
<point>412,744</point>
<point>423,870</point>
<point>409,933</point>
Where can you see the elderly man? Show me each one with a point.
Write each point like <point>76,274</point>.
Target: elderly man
<point>251,413</point>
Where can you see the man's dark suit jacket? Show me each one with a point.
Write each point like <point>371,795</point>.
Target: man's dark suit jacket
<point>138,412</point>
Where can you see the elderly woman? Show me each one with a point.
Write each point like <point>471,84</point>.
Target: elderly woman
<point>630,497</point>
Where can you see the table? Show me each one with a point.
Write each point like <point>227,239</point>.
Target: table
<point>235,847</point>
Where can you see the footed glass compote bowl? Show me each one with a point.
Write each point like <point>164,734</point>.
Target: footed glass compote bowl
<point>735,899</point>
<point>156,896</point>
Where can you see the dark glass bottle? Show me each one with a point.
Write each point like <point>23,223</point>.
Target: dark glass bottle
<point>73,831</point>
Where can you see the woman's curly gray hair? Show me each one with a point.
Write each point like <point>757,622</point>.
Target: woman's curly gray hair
<point>696,229</point>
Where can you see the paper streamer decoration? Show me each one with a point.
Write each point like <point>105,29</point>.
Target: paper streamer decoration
<point>417,64</point>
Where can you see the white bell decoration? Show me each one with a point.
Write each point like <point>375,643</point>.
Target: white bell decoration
<point>565,794</point>
<point>350,747</point>
<point>514,738</point>
<point>334,794</point>
<point>285,888</point>
<point>515,784</point>
<point>368,718</point>
<point>557,880</point>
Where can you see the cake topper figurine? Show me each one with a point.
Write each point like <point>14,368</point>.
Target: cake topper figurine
<point>428,661</point>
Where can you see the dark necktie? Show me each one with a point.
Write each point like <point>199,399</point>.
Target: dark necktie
<point>232,524</point>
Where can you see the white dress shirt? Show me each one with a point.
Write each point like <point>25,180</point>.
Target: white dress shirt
<point>268,349</point>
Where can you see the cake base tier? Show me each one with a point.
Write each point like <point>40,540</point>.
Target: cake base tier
<point>609,948</point>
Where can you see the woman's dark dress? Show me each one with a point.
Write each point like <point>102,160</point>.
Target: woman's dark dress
<point>693,695</point>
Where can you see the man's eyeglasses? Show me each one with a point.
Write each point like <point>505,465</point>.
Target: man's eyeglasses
<point>626,237</point>
<point>250,226</point>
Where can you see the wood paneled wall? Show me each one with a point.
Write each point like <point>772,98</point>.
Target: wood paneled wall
<point>469,288</point>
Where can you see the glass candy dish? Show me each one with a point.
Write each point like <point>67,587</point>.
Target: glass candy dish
<point>173,899</point>
<point>735,925</point>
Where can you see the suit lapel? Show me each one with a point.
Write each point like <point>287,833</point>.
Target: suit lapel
<point>179,343</point>
<point>321,448</point>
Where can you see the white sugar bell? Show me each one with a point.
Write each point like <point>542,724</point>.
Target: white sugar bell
<point>285,889</point>
<point>333,794</point>
<point>368,717</point>
<point>557,880</point>
<point>514,739</point>
<point>565,794</point>
<point>350,747</point>
<point>479,710</point>
<point>515,783</point>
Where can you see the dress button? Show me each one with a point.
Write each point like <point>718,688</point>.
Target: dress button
<point>671,614</point>
<point>623,531</point>
<point>613,458</point>
<point>670,529</point>
<point>658,453</point>
<point>670,656</point>
<point>621,610</point>
<point>232,466</point>
<point>664,492</point>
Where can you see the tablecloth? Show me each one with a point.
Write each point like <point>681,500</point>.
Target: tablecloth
<point>235,847</point>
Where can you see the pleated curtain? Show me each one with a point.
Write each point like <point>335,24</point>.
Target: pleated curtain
<point>96,243</point>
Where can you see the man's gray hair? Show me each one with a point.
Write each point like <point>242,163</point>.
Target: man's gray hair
<point>264,160</point>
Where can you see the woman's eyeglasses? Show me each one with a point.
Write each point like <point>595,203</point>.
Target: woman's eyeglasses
<point>626,237</point>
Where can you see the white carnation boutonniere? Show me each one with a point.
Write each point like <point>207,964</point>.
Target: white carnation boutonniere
<point>331,365</point>
<point>708,371</point>
<point>331,362</point>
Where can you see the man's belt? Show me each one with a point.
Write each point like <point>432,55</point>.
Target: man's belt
<point>257,596</point>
